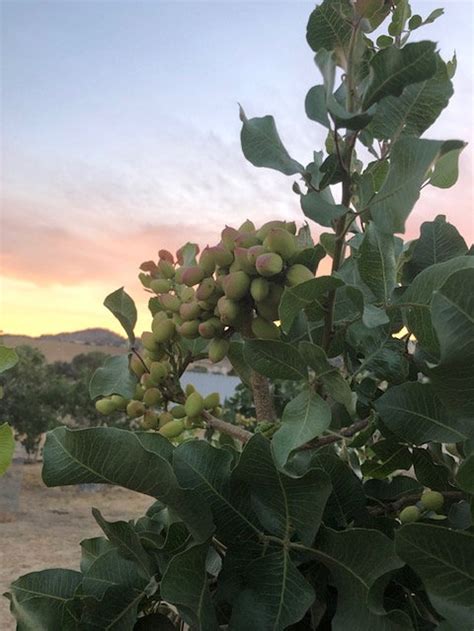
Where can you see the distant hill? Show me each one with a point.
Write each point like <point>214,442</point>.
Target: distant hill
<point>65,346</point>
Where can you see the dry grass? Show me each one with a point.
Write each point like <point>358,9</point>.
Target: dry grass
<point>59,351</point>
<point>50,525</point>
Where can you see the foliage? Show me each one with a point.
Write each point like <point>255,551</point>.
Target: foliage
<point>8,359</point>
<point>312,520</point>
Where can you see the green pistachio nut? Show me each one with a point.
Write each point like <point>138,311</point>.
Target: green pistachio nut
<point>160,285</point>
<point>145,279</point>
<point>105,406</point>
<point>247,226</point>
<point>265,329</point>
<point>228,236</point>
<point>136,366</point>
<point>218,349</point>
<point>206,289</point>
<point>297,274</point>
<point>164,418</point>
<point>432,500</point>
<point>150,420</point>
<point>164,331</point>
<point>410,514</point>
<point>222,255</point>
<point>169,302</point>
<point>207,261</point>
<point>172,429</point>
<point>281,241</point>
<point>269,264</point>
<point>119,402</point>
<point>236,285</point>
<point>211,401</point>
<point>152,397</point>
<point>188,389</point>
<point>149,342</point>
<point>158,371</point>
<point>194,404</point>
<point>246,240</point>
<point>166,269</point>
<point>228,310</point>
<point>178,411</point>
<point>189,329</point>
<point>135,409</point>
<point>190,310</point>
<point>139,392</point>
<point>259,289</point>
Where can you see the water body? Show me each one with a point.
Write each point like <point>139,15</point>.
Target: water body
<point>207,382</point>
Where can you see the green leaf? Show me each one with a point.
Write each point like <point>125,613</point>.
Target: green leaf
<point>384,40</point>
<point>285,505</point>
<point>413,412</point>
<point>430,474</point>
<point>262,146</point>
<point>418,107</point>
<point>329,26</point>
<point>410,160</point>
<point>124,309</point>
<point>315,207</point>
<point>392,69</point>
<point>41,601</point>
<point>206,471</point>
<point>304,418</point>
<point>434,15</point>
<point>275,359</point>
<point>399,17</point>
<point>188,253</point>
<point>7,447</point>
<point>112,456</point>
<point>465,475</point>
<point>376,262</point>
<point>8,358</point>
<point>388,457</point>
<point>347,120</point>
<point>124,537</point>
<point>315,106</point>
<point>185,585</point>
<point>417,299</point>
<point>275,595</point>
<point>445,173</point>
<point>439,241</point>
<point>334,383</point>
<point>442,558</point>
<point>452,314</point>
<point>393,489</point>
<point>312,293</point>
<point>92,549</point>
<point>357,558</point>
<point>114,377</point>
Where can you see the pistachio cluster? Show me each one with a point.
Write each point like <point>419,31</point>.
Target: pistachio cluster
<point>430,501</point>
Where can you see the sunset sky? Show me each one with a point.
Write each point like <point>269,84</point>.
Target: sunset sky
<point>121,137</point>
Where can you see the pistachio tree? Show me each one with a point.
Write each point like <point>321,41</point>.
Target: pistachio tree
<point>352,507</point>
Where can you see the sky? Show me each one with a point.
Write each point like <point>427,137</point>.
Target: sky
<point>120,136</point>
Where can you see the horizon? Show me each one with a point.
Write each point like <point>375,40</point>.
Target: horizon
<point>121,137</point>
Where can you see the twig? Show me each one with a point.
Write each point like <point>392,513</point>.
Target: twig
<point>394,507</point>
<point>345,432</point>
<point>239,433</point>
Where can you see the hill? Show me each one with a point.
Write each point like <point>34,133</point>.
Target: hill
<point>97,336</point>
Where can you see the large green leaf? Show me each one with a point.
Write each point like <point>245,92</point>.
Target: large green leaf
<point>388,456</point>
<point>329,26</point>
<point>206,470</point>
<point>443,559</point>
<point>312,293</point>
<point>124,309</point>
<point>334,383</point>
<point>42,601</point>
<point>357,558</point>
<point>275,594</point>
<point>416,109</point>
<point>376,262</point>
<point>92,549</point>
<point>7,447</point>
<point>185,585</point>
<point>417,299</point>
<point>452,316</point>
<point>410,160</point>
<point>413,412</point>
<point>262,146</point>
<point>315,105</point>
<point>392,69</point>
<point>446,170</point>
<point>317,208</point>
<point>439,241</point>
<point>431,474</point>
<point>114,377</point>
<point>277,360</point>
<point>304,418</point>
<point>8,358</point>
<point>285,505</point>
<point>114,456</point>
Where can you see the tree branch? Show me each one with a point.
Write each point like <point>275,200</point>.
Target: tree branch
<point>262,397</point>
<point>239,433</point>
<point>394,507</point>
<point>345,432</point>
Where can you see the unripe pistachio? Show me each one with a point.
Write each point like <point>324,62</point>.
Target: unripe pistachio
<point>139,392</point>
<point>242,260</point>
<point>218,411</point>
<point>253,253</point>
<point>172,429</point>
<point>410,514</point>
<point>222,255</point>
<point>186,294</point>
<point>236,285</point>
<point>149,342</point>
<point>259,289</point>
<point>218,349</point>
<point>207,330</point>
<point>194,404</point>
<point>145,279</point>
<point>150,420</point>
<point>267,309</point>
<point>297,274</point>
<point>246,240</point>
<point>228,310</point>
<point>178,411</point>
<point>135,408</point>
<point>247,226</point>
<point>158,371</point>
<point>119,402</point>
<point>234,266</point>
<point>264,329</point>
<point>211,401</point>
<point>192,275</point>
<point>164,418</point>
<point>280,241</point>
<point>189,310</point>
<point>207,261</point>
<point>164,330</point>
<point>152,397</point>
<point>205,289</point>
<point>269,264</point>
<point>166,269</point>
<point>169,302</point>
<point>189,329</point>
<point>136,366</point>
<point>156,355</point>
<point>432,500</point>
<point>290,226</point>
<point>188,389</point>
<point>105,406</point>
<point>147,381</point>
<point>228,236</point>
<point>265,229</point>
<point>160,285</point>
<point>178,275</point>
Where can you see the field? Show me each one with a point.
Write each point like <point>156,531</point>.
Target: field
<point>59,350</point>
<point>51,523</point>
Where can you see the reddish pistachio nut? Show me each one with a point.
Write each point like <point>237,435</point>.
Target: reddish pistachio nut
<point>135,409</point>
<point>192,275</point>
<point>189,310</point>
<point>205,289</point>
<point>247,240</point>
<point>207,261</point>
<point>152,397</point>
<point>242,260</point>
<point>165,255</point>
<point>149,266</point>
<point>222,255</point>
<point>189,329</point>
<point>269,264</point>
<point>169,302</point>
<point>236,285</point>
<point>228,236</point>
<point>253,253</point>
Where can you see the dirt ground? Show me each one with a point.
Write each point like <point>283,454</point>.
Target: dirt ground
<point>49,525</point>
